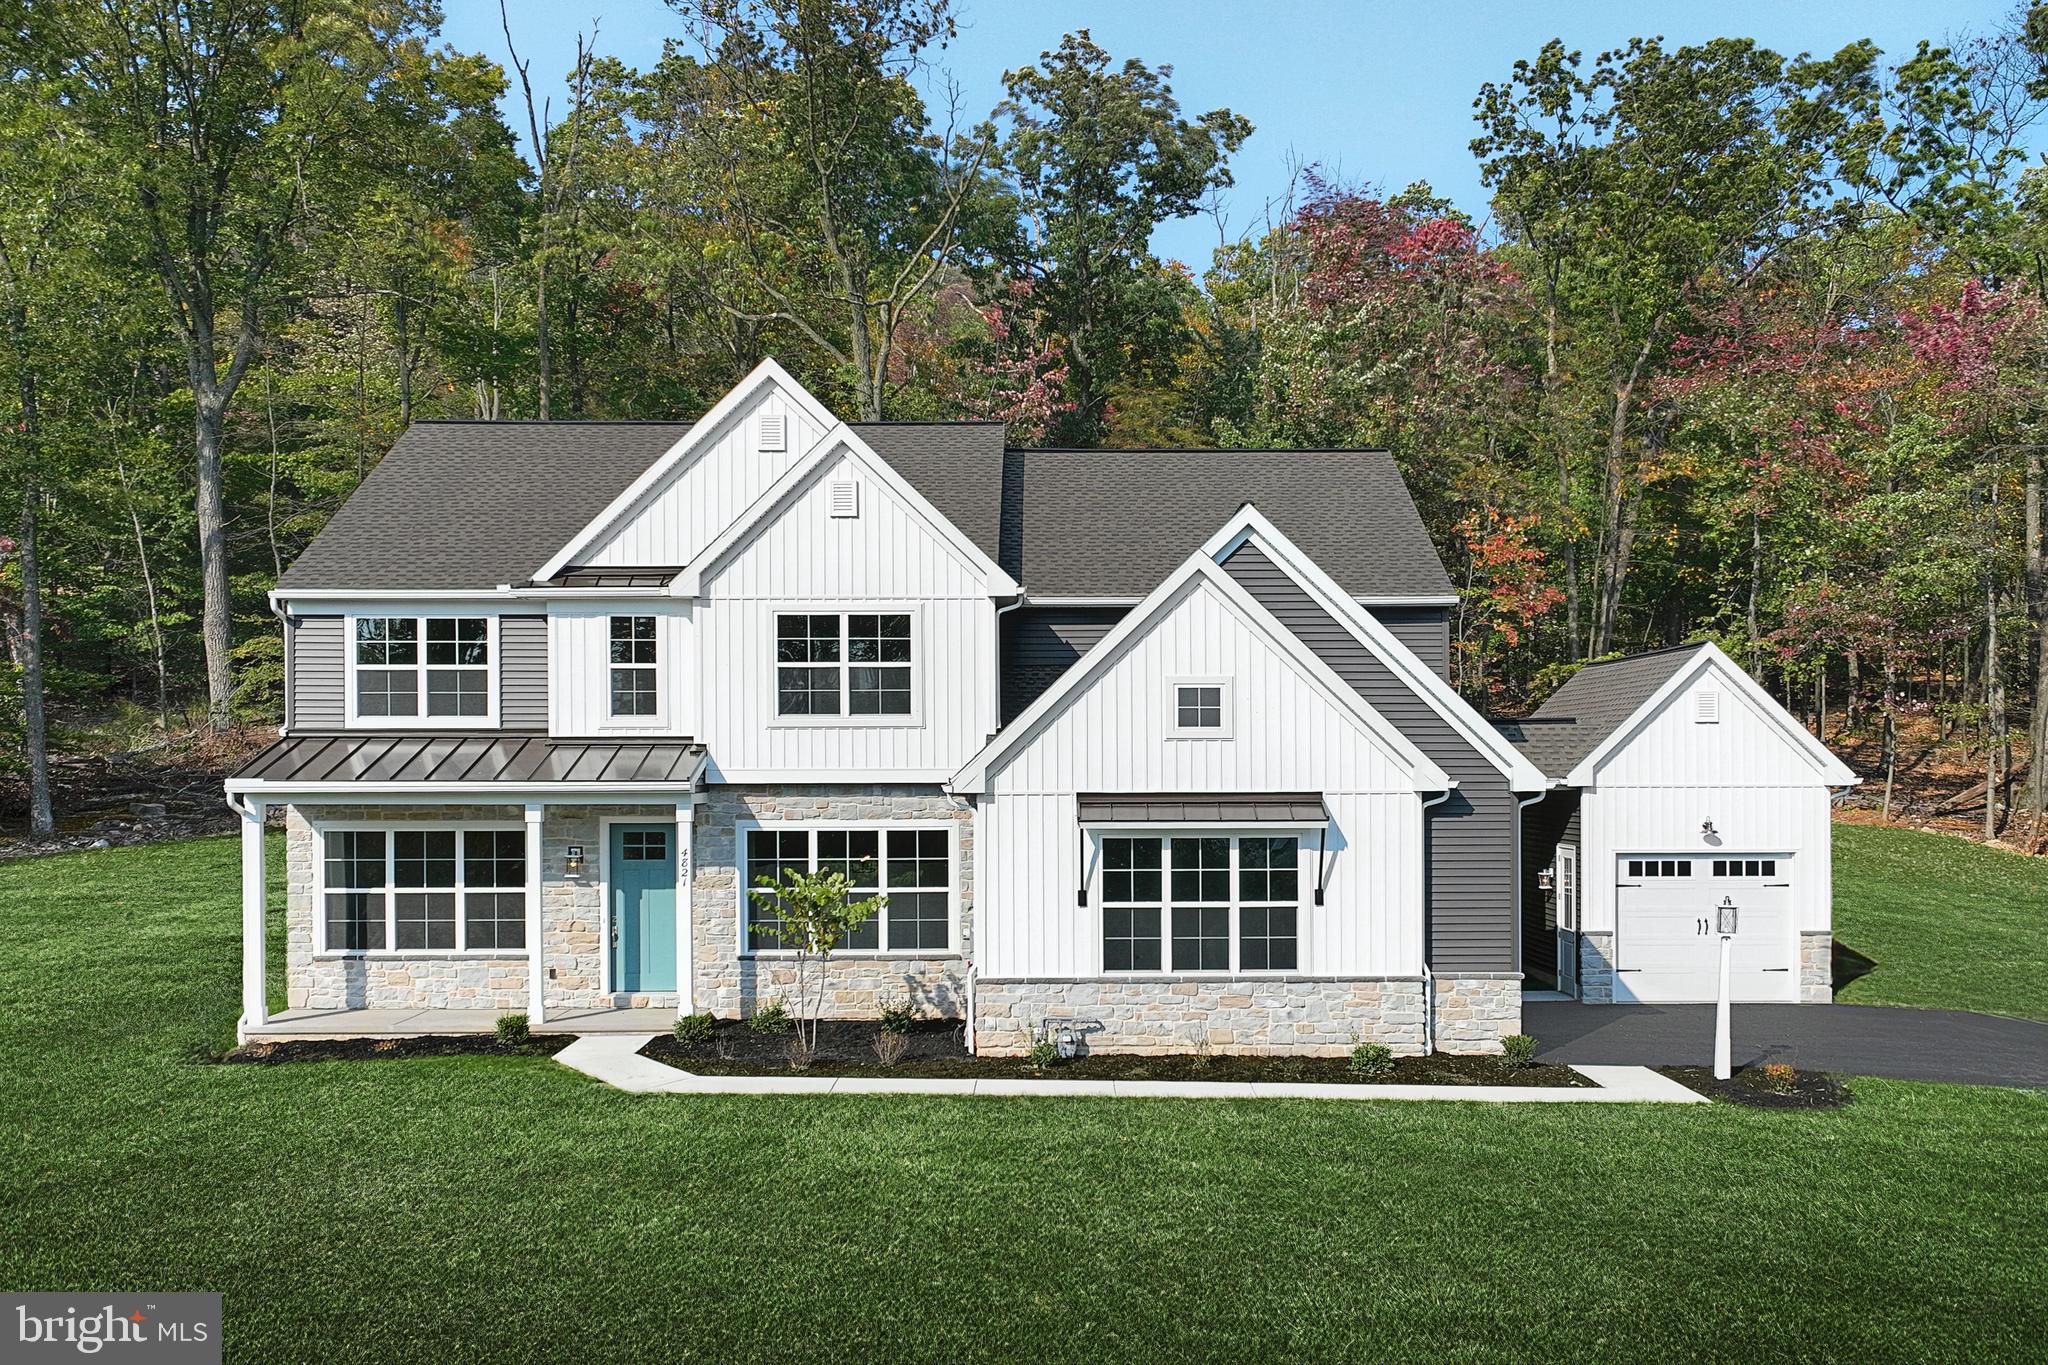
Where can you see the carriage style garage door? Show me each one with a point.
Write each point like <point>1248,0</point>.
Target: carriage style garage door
<point>1666,949</point>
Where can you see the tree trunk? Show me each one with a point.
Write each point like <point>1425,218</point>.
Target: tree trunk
<point>1891,730</point>
<point>216,619</point>
<point>156,625</point>
<point>2037,620</point>
<point>1994,702</point>
<point>1756,580</point>
<point>35,729</point>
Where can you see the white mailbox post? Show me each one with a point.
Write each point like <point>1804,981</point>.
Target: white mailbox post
<point>1725,916</point>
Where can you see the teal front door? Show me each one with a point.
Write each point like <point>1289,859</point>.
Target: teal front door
<point>642,872</point>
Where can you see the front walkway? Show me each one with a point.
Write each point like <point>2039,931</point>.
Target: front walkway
<point>1859,1040</point>
<point>615,1059</point>
<point>420,1023</point>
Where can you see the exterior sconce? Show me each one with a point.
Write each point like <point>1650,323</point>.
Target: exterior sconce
<point>1707,830</point>
<point>1545,880</point>
<point>574,860</point>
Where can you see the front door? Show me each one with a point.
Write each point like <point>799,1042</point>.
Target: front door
<point>642,870</point>
<point>1565,887</point>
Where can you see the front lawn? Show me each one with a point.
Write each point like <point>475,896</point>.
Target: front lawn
<point>507,1209</point>
<point>1934,920</point>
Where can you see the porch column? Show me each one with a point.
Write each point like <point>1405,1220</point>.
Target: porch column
<point>536,974</point>
<point>255,1001</point>
<point>686,979</point>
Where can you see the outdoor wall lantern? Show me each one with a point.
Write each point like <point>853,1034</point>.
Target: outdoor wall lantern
<point>1546,879</point>
<point>1707,830</point>
<point>574,860</point>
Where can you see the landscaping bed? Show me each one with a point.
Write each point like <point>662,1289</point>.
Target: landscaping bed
<point>378,1049</point>
<point>1757,1088</point>
<point>937,1050</point>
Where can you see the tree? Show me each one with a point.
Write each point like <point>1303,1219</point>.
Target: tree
<point>812,914</point>
<point>1100,157</point>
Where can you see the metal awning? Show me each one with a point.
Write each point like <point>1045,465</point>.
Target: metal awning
<point>586,577</point>
<point>467,762</point>
<point>1238,808</point>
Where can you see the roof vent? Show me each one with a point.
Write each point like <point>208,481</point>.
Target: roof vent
<point>845,498</point>
<point>774,431</point>
<point>1706,708</point>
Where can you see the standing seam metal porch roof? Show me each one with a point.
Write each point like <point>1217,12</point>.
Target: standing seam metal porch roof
<point>513,760</point>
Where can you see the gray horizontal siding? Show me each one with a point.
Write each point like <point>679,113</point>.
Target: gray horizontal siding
<point>1041,643</point>
<point>1425,630</point>
<point>523,672</point>
<point>318,685</point>
<point>1470,873</point>
<point>1544,827</point>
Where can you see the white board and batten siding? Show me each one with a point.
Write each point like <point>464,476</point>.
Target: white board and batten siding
<point>1113,736</point>
<point>722,480</point>
<point>886,558</point>
<point>579,648</point>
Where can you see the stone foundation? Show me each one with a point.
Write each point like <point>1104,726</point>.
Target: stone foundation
<point>1473,1013</point>
<point>731,983</point>
<point>1311,1016</point>
<point>1817,967</point>
<point>1596,968</point>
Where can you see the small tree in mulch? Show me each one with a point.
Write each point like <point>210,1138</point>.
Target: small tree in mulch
<point>812,914</point>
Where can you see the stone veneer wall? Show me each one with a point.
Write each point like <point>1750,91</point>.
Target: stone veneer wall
<point>1312,1016</point>
<point>1473,1013</point>
<point>1596,968</point>
<point>732,983</point>
<point>1817,967</point>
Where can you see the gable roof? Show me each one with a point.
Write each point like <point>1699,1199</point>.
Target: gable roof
<point>1198,570</point>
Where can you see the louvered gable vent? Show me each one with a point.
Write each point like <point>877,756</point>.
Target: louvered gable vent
<point>774,431</point>
<point>845,498</point>
<point>1706,707</point>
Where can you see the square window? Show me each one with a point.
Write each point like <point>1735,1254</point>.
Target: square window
<point>878,691</point>
<point>425,920</point>
<point>1201,938</point>
<point>1770,867</point>
<point>421,857</point>
<point>456,640</point>
<point>1201,870</point>
<point>807,691</point>
<point>355,921</point>
<point>387,692</point>
<point>1130,939</point>
<point>643,845</point>
<point>632,640</point>
<point>919,921</point>
<point>451,692</point>
<point>1635,868</point>
<point>1198,706</point>
<point>1268,869</point>
<point>496,919</point>
<point>493,858</point>
<point>1130,870</point>
<point>387,641</point>
<point>633,692</point>
<point>1267,939</point>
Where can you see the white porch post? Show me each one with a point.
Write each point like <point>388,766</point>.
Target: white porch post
<point>255,1001</point>
<point>536,974</point>
<point>686,980</point>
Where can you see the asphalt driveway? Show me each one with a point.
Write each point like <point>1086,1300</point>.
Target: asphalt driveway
<point>1860,1040</point>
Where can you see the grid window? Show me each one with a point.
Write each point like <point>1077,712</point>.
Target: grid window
<point>860,661</point>
<point>771,854</point>
<point>434,666</point>
<point>855,854</point>
<point>1131,894</point>
<point>1269,894</point>
<point>878,654</point>
<point>439,889</point>
<point>634,664</point>
<point>644,845</point>
<point>1746,867</point>
<point>494,878</point>
<point>912,868</point>
<point>1201,870</point>
<point>1226,903</point>
<point>1198,707</point>
<point>1660,867</point>
<point>355,878</point>
<point>1201,938</point>
<point>920,868</point>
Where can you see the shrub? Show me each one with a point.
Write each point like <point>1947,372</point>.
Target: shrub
<point>890,1045</point>
<point>1044,1055</point>
<point>898,1015</point>
<point>799,1052</point>
<point>770,1018</point>
<point>512,1029</point>
<point>1777,1076</point>
<point>1374,1061</point>
<point>1517,1050</point>
<point>694,1030</point>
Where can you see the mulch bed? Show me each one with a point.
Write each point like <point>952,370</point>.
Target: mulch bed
<point>937,1050</point>
<point>379,1049</point>
<point>1749,1086</point>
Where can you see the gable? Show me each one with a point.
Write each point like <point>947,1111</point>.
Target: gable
<point>1109,726</point>
<point>1666,744</point>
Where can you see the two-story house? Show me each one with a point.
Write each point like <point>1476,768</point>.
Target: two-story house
<point>1158,745</point>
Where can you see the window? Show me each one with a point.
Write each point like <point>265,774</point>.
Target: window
<point>1656,867</point>
<point>633,662</point>
<point>856,664</point>
<point>644,846</point>
<point>434,666</point>
<point>1226,903</point>
<point>1745,867</point>
<point>1568,886</point>
<point>1201,708</point>
<point>912,867</point>
<point>434,890</point>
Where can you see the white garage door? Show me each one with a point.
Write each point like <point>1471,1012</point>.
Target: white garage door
<point>1666,949</point>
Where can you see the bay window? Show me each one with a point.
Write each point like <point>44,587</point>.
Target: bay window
<point>1198,902</point>
<point>843,663</point>
<point>437,889</point>
<point>912,867</point>
<point>408,667</point>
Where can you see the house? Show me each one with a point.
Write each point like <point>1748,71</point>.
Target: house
<point>1157,746</point>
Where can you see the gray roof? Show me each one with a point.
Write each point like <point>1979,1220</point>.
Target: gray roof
<point>1180,808</point>
<point>514,760</point>
<point>471,505</point>
<point>1593,703</point>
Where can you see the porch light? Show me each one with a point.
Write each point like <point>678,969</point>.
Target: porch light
<point>1545,880</point>
<point>574,860</point>
<point>1707,830</point>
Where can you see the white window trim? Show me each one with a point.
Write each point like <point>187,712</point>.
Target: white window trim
<point>1175,730</point>
<point>1304,880</point>
<point>746,880</point>
<point>658,718</point>
<point>920,662</point>
<point>1567,887</point>
<point>388,828</point>
<point>487,721</point>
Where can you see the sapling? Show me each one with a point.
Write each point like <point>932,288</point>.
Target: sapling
<point>811,913</point>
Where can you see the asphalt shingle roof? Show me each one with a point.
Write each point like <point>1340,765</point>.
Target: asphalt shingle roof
<point>1593,703</point>
<point>470,505</point>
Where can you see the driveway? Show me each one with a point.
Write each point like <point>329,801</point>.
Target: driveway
<point>1859,1040</point>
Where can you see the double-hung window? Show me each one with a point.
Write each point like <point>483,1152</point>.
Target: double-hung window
<point>430,890</point>
<point>407,667</point>
<point>635,663</point>
<point>843,663</point>
<point>1201,903</point>
<point>912,867</point>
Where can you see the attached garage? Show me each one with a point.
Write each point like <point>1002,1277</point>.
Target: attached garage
<point>1692,789</point>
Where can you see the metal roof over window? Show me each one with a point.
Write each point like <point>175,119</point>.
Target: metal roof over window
<point>1238,808</point>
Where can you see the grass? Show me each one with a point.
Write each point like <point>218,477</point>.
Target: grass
<point>506,1209</point>
<point>1943,922</point>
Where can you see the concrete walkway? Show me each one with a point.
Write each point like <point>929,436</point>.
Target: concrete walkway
<point>615,1059</point>
<point>292,1024</point>
<point>1858,1040</point>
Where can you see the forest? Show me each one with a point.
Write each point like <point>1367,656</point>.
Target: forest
<point>1751,346</point>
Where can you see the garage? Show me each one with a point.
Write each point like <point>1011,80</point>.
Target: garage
<point>1666,946</point>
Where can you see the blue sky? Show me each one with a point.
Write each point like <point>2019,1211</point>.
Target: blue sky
<point>1377,92</point>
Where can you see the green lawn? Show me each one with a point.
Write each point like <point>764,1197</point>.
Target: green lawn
<point>508,1209</point>
<point>1942,921</point>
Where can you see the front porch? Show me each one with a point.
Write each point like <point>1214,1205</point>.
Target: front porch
<point>301,1024</point>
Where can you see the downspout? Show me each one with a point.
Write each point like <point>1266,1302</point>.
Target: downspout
<point>1521,804</point>
<point>1429,977</point>
<point>284,622</point>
